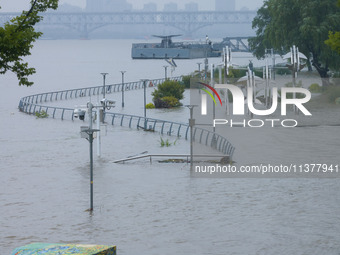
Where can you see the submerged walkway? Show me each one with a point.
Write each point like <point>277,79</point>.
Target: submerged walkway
<point>37,104</point>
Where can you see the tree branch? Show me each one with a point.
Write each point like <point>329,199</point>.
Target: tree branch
<point>32,7</point>
<point>27,14</point>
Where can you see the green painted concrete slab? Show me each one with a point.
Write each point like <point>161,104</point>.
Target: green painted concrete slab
<point>61,249</point>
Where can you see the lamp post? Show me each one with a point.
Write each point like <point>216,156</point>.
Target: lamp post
<point>199,68</point>
<point>144,86</point>
<point>226,62</point>
<point>273,63</point>
<point>123,72</point>
<point>90,132</point>
<point>191,125</point>
<point>226,59</point>
<point>212,83</point>
<point>104,77</point>
<point>267,77</point>
<point>87,132</point>
<point>207,43</point>
<point>295,66</point>
<point>166,72</point>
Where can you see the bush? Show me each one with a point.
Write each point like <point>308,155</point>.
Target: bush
<point>290,95</point>
<point>168,94</point>
<point>150,106</point>
<point>332,93</point>
<point>297,85</point>
<point>169,89</point>
<point>315,88</point>
<point>336,75</point>
<point>258,73</point>
<point>167,102</point>
<point>186,81</point>
<point>283,71</point>
<point>236,73</point>
<point>41,115</point>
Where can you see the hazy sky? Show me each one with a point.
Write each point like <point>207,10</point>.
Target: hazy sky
<point>18,5</point>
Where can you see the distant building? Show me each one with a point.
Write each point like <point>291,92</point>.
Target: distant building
<point>191,7</point>
<point>150,7</point>
<point>107,6</point>
<point>225,5</point>
<point>170,7</point>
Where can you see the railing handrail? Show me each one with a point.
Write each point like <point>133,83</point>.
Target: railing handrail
<point>167,156</point>
<point>108,87</point>
<point>29,105</point>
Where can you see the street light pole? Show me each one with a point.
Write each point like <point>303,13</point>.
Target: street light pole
<point>166,72</point>
<point>91,169</point>
<point>123,72</point>
<point>89,131</point>
<point>191,125</point>
<point>206,57</point>
<point>104,76</point>
<point>144,86</point>
<point>199,69</point>
<point>212,83</point>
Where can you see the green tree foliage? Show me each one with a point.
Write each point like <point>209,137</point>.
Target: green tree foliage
<point>169,88</point>
<point>280,24</point>
<point>315,88</point>
<point>333,93</point>
<point>166,102</point>
<point>17,37</point>
<point>150,106</point>
<point>334,38</point>
<point>186,81</point>
<point>334,41</point>
<point>168,94</point>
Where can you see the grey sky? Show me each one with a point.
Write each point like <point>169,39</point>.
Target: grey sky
<point>18,5</point>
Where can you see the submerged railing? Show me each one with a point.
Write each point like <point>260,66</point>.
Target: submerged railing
<point>32,105</point>
<point>90,91</point>
<point>171,128</point>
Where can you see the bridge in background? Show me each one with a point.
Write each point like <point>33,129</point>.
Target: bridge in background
<point>187,22</point>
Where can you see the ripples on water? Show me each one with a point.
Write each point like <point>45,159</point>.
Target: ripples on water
<point>143,208</point>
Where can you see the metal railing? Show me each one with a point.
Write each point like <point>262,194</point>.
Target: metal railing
<point>167,156</point>
<point>90,91</point>
<point>171,128</point>
<point>32,105</point>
